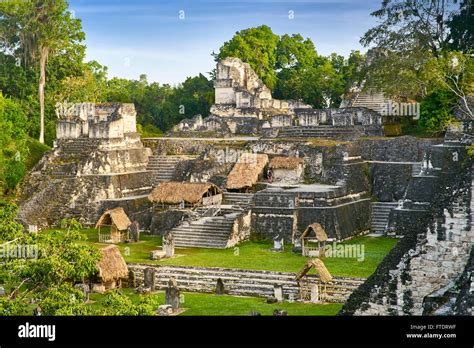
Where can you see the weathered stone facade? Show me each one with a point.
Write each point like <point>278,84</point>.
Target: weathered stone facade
<point>88,172</point>
<point>244,105</point>
<point>418,274</point>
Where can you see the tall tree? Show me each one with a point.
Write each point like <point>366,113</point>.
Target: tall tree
<point>287,64</point>
<point>461,28</point>
<point>411,24</point>
<point>410,34</point>
<point>256,46</point>
<point>36,30</point>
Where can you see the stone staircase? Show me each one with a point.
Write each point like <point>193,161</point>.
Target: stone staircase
<point>380,212</point>
<point>163,167</point>
<point>205,232</point>
<point>371,101</point>
<point>238,199</point>
<point>240,282</point>
<point>322,132</point>
<point>79,146</point>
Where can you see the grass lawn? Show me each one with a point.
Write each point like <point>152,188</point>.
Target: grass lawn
<point>256,255</point>
<point>197,304</point>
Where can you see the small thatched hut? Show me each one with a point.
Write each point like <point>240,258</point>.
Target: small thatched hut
<point>118,222</point>
<point>112,268</point>
<point>310,290</point>
<point>314,233</point>
<point>187,193</point>
<point>320,268</point>
<point>288,169</point>
<point>246,171</point>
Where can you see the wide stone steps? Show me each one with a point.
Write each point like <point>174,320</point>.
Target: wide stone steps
<point>320,132</point>
<point>78,146</point>
<point>207,232</point>
<point>163,167</point>
<point>242,199</point>
<point>371,101</point>
<point>244,282</point>
<point>380,212</point>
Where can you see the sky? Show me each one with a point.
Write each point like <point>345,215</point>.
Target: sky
<point>170,40</point>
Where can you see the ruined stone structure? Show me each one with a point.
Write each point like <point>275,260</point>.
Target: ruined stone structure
<point>99,163</point>
<point>240,282</point>
<point>244,105</point>
<point>240,92</point>
<point>98,160</point>
<point>325,171</point>
<point>428,270</point>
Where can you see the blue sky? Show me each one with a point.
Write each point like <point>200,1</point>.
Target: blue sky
<point>149,37</point>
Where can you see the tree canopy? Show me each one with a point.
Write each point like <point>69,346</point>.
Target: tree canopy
<point>290,65</point>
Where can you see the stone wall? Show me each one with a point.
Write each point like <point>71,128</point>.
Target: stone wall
<point>96,121</point>
<point>288,214</point>
<point>163,220</point>
<point>389,181</point>
<point>74,179</point>
<point>399,149</point>
<point>433,252</point>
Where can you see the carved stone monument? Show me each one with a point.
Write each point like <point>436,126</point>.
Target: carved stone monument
<point>172,294</point>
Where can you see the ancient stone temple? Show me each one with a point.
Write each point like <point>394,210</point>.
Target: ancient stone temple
<point>428,271</point>
<point>240,92</point>
<point>98,162</point>
<point>245,106</point>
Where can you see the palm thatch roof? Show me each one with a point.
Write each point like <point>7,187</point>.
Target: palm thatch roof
<point>281,162</point>
<point>172,192</point>
<point>318,230</point>
<point>115,217</point>
<point>111,265</point>
<point>320,268</point>
<point>246,171</point>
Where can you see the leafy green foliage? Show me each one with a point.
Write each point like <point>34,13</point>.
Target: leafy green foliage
<point>411,36</point>
<point>9,228</point>
<point>12,307</point>
<point>70,224</point>
<point>461,28</point>
<point>59,263</point>
<point>36,151</point>
<point>12,143</point>
<point>35,31</point>
<point>437,111</point>
<point>63,299</point>
<point>117,303</point>
<point>291,67</point>
<point>256,46</point>
<point>163,106</point>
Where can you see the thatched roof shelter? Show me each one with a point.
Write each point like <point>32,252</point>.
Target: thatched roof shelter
<point>116,218</point>
<point>111,266</point>
<point>246,171</point>
<point>172,192</point>
<point>320,268</point>
<point>281,162</point>
<point>318,230</point>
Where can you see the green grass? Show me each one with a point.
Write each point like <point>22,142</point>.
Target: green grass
<point>197,304</point>
<point>36,152</point>
<point>132,252</point>
<point>256,255</point>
